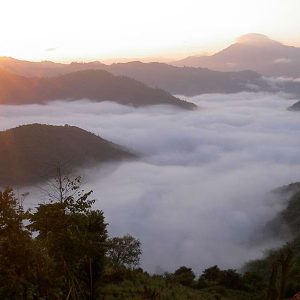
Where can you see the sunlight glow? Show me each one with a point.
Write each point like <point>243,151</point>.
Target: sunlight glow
<point>92,29</point>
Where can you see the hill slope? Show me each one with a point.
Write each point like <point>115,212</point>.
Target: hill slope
<point>289,217</point>
<point>31,153</point>
<point>97,85</point>
<point>251,52</point>
<point>295,106</point>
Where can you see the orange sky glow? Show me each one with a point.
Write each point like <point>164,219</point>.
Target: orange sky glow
<point>77,30</point>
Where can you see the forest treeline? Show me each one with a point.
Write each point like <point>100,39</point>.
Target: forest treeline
<point>61,250</point>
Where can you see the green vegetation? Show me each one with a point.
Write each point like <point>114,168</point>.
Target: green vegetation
<point>283,264</point>
<point>182,284</point>
<point>61,250</point>
<point>124,251</point>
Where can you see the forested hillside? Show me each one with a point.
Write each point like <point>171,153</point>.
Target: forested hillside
<point>31,153</point>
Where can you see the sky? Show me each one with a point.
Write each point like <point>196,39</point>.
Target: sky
<point>87,30</point>
<point>199,195</point>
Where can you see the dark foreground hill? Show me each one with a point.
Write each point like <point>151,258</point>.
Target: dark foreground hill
<point>31,153</point>
<point>96,85</point>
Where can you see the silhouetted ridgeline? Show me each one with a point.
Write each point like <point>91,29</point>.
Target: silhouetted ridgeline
<point>30,153</point>
<point>188,81</point>
<point>96,85</point>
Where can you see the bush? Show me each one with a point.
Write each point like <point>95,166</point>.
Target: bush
<point>184,276</point>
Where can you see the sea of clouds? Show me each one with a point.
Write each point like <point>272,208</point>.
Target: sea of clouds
<point>200,193</point>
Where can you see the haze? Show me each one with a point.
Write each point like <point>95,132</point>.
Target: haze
<point>111,30</point>
<point>201,189</point>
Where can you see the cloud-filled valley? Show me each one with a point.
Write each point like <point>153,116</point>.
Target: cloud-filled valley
<point>199,195</point>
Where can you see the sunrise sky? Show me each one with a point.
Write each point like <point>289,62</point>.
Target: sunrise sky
<point>85,30</point>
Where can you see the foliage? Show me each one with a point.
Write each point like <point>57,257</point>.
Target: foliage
<point>291,215</point>
<point>212,274</point>
<point>287,270</point>
<point>25,269</point>
<point>61,250</point>
<point>231,279</point>
<point>184,276</point>
<point>74,235</point>
<point>60,253</point>
<point>140,286</point>
<point>124,251</point>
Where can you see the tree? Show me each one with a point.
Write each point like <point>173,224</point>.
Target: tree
<point>63,186</point>
<point>212,274</point>
<point>201,283</point>
<point>14,239</point>
<point>184,276</point>
<point>253,281</point>
<point>124,251</point>
<point>25,269</point>
<point>231,279</point>
<point>74,236</point>
<point>279,275</point>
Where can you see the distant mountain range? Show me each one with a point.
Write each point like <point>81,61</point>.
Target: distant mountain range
<point>43,68</point>
<point>251,52</point>
<point>97,85</point>
<point>187,81</point>
<point>244,66</point>
<point>31,153</point>
<point>190,81</point>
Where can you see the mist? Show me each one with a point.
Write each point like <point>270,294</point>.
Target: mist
<point>200,193</point>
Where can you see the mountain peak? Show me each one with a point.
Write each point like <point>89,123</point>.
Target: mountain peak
<point>255,39</point>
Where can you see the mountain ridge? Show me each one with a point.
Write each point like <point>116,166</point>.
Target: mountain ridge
<point>96,85</point>
<point>31,153</point>
<point>255,52</point>
<point>187,81</point>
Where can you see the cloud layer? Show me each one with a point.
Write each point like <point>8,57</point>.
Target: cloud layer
<point>199,196</point>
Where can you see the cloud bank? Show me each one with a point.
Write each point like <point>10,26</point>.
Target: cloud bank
<point>199,196</point>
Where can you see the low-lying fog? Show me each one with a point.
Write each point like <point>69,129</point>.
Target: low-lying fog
<point>199,196</point>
